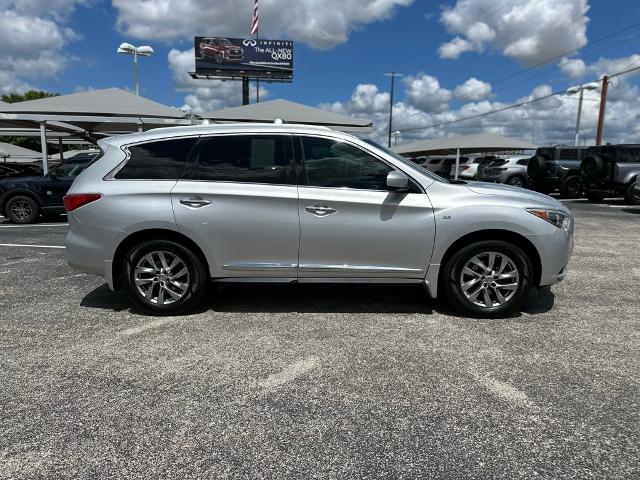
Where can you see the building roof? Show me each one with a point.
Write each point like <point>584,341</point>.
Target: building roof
<point>481,142</point>
<point>289,112</point>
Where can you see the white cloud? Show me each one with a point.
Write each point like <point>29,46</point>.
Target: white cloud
<point>33,36</point>
<point>424,92</point>
<point>473,89</point>
<point>573,67</point>
<point>205,95</point>
<point>319,23</point>
<point>548,121</point>
<point>526,30</point>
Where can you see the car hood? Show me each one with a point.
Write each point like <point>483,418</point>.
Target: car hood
<point>518,193</point>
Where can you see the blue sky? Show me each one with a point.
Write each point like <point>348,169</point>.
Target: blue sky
<point>341,45</point>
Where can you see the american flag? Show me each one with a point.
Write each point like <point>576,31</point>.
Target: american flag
<point>254,24</point>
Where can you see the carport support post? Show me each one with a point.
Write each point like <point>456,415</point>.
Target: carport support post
<point>60,148</point>
<point>45,153</point>
<point>455,175</point>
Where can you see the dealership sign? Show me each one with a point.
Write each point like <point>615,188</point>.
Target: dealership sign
<point>244,57</point>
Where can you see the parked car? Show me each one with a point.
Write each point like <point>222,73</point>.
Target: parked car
<point>12,170</point>
<point>611,171</point>
<point>23,199</point>
<point>221,50</point>
<point>557,168</point>
<point>509,170</point>
<point>469,169</point>
<point>442,165</point>
<point>164,211</point>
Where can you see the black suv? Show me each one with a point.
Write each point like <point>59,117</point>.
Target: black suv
<point>611,171</point>
<point>557,167</point>
<point>11,170</point>
<point>23,199</point>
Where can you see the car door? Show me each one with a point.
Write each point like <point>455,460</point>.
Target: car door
<point>351,226</point>
<point>239,201</point>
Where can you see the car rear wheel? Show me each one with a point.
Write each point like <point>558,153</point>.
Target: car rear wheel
<point>516,181</point>
<point>163,277</point>
<point>22,209</point>
<point>487,279</point>
<point>630,196</point>
<point>570,187</point>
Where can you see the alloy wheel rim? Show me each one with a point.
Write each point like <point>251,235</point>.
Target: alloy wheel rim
<point>489,279</point>
<point>516,182</point>
<point>161,277</point>
<point>21,210</point>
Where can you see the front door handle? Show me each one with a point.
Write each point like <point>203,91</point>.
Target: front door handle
<point>320,210</point>
<point>195,202</point>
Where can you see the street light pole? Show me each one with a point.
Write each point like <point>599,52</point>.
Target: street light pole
<point>580,89</point>
<point>393,76</point>
<point>142,51</point>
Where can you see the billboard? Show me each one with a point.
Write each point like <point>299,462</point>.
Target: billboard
<point>244,57</point>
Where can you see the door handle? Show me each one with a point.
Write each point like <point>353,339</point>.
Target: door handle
<point>195,202</point>
<point>320,210</point>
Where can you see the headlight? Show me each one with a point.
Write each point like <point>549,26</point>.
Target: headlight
<point>554,217</point>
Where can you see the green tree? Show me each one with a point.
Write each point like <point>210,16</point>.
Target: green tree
<point>32,143</point>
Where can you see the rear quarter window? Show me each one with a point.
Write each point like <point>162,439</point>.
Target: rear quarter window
<point>159,160</point>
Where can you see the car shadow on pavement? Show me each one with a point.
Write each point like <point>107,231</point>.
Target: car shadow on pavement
<point>316,298</point>
<point>635,211</point>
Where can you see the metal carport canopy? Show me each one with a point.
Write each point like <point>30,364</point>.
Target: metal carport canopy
<point>90,114</point>
<point>289,112</point>
<point>481,142</point>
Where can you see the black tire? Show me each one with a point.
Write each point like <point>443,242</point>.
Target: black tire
<point>571,187</point>
<point>591,167</point>
<point>536,166</point>
<point>516,181</point>
<point>22,209</point>
<point>218,58</point>
<point>196,278</point>
<point>630,197</point>
<point>595,197</point>
<point>452,279</point>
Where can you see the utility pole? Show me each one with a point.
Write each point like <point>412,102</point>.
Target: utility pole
<point>603,108</point>
<point>245,91</point>
<point>393,76</point>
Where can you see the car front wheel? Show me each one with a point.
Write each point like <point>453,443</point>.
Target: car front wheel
<point>570,187</point>
<point>630,195</point>
<point>163,277</point>
<point>487,279</point>
<point>516,181</point>
<point>22,209</point>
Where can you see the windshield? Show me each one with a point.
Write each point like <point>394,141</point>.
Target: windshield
<point>71,168</point>
<point>408,162</point>
<point>224,41</point>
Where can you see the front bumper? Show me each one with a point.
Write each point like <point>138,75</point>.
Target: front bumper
<point>555,250</point>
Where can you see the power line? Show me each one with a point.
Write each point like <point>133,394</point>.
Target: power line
<point>508,107</point>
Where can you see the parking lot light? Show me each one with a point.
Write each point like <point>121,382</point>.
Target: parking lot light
<point>144,51</point>
<point>580,89</point>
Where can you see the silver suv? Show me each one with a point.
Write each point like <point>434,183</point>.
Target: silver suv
<point>164,212</point>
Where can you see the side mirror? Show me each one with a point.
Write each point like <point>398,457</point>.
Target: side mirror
<point>397,182</point>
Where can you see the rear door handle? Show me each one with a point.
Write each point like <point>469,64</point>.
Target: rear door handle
<point>195,202</point>
<point>320,210</point>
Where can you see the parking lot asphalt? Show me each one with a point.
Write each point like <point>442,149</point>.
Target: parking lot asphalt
<point>287,381</point>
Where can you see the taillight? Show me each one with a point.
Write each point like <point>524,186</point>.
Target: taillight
<point>77,200</point>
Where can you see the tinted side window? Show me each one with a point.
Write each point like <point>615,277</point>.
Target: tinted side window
<point>246,158</point>
<point>524,161</point>
<point>162,160</point>
<point>329,163</point>
<point>569,154</point>
<point>629,155</point>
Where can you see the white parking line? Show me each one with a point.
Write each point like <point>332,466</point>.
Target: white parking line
<point>32,246</point>
<point>36,225</point>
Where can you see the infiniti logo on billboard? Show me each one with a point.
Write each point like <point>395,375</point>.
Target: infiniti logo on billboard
<point>249,43</point>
